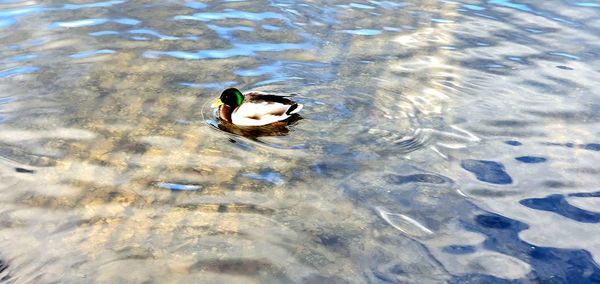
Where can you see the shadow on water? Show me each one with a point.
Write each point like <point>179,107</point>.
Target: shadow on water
<point>440,142</point>
<point>502,235</point>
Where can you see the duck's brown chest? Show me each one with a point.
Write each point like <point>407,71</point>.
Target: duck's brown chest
<point>225,113</point>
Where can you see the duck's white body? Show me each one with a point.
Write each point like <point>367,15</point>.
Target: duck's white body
<point>262,113</point>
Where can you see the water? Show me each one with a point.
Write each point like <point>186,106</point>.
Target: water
<point>442,141</point>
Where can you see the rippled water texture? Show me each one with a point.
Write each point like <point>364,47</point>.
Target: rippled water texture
<point>442,141</point>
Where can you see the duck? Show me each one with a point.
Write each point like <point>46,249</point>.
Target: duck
<point>254,108</point>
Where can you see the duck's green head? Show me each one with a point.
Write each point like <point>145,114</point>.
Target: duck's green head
<point>231,97</point>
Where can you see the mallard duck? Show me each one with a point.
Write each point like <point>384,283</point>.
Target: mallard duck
<point>254,109</point>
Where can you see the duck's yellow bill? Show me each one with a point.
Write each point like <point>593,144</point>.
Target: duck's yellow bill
<point>217,103</point>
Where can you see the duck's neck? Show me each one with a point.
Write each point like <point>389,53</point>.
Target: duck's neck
<point>225,113</point>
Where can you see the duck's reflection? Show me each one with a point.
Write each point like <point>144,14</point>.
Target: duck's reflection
<point>280,128</point>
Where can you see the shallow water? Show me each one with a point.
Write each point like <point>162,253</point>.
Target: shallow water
<point>442,141</point>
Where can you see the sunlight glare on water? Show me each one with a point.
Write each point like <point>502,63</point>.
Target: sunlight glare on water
<point>441,141</point>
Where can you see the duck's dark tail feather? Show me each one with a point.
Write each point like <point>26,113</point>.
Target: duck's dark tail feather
<point>295,108</point>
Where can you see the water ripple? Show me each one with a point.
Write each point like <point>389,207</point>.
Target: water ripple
<point>93,5</point>
<point>178,186</point>
<point>404,223</point>
<point>195,5</point>
<point>558,204</point>
<point>94,22</point>
<point>231,14</point>
<point>487,171</point>
<point>531,9</point>
<point>239,49</point>
<point>7,22</point>
<point>212,85</point>
<point>365,32</point>
<point>91,53</point>
<point>530,159</point>
<point>18,71</point>
<point>22,58</point>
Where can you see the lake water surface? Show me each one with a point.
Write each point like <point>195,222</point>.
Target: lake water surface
<point>442,141</point>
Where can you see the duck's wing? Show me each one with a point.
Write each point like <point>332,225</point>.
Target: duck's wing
<point>292,107</point>
<point>269,98</point>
